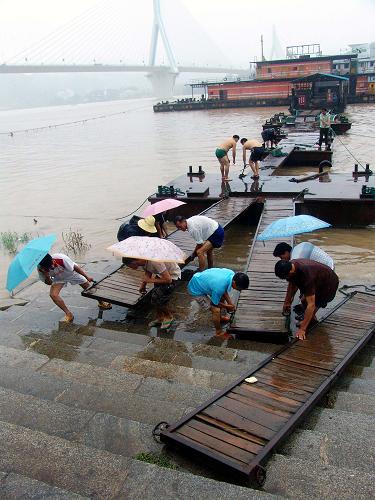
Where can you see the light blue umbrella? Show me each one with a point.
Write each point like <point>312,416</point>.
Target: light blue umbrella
<point>27,259</point>
<point>289,226</point>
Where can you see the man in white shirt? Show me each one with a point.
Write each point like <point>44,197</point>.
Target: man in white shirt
<point>164,276</point>
<point>207,234</point>
<point>57,270</point>
<point>324,126</point>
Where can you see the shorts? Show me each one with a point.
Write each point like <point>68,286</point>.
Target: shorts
<point>217,237</point>
<point>204,302</point>
<point>161,293</point>
<point>267,135</point>
<point>257,154</point>
<point>74,279</point>
<point>220,153</point>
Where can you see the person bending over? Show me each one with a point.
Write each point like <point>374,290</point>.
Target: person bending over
<point>317,283</point>
<point>211,290</point>
<point>57,270</point>
<point>207,234</point>
<point>256,154</point>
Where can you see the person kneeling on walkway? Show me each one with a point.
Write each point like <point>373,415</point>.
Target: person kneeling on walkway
<point>207,233</point>
<point>57,270</point>
<point>211,290</point>
<point>164,276</point>
<point>317,283</point>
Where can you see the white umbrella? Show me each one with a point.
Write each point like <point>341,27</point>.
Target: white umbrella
<point>148,248</point>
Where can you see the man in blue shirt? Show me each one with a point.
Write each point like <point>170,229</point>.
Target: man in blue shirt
<point>211,290</point>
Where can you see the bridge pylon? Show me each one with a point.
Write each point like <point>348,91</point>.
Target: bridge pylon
<point>162,79</point>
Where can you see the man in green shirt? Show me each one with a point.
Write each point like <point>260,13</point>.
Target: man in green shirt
<point>324,126</point>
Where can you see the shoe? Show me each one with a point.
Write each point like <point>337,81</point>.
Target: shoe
<point>155,322</point>
<point>166,324</point>
<point>225,319</point>
<point>104,305</point>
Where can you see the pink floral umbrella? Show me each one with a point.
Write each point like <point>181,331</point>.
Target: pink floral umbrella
<point>162,206</point>
<point>148,248</point>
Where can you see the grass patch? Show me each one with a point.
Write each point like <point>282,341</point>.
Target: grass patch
<point>153,458</point>
<point>10,240</point>
<point>74,242</point>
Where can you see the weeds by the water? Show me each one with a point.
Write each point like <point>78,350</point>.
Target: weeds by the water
<point>74,242</point>
<point>153,458</point>
<point>10,240</point>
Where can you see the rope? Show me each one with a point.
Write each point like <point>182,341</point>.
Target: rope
<point>367,288</point>
<point>348,150</point>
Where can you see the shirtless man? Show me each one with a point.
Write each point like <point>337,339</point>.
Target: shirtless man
<point>257,152</point>
<point>222,155</point>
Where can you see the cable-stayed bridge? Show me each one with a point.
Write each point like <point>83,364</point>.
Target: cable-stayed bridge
<point>109,38</point>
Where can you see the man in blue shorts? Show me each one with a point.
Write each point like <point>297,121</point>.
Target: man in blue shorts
<point>207,234</point>
<point>211,290</point>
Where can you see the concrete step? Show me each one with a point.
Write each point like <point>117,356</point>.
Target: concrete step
<point>327,449</point>
<point>351,402</point>
<point>116,400</point>
<point>338,422</point>
<point>183,374</point>
<point>366,357</point>
<point>356,385</point>
<point>99,474</point>
<point>299,479</point>
<point>13,486</point>
<point>359,371</point>
<point>106,432</point>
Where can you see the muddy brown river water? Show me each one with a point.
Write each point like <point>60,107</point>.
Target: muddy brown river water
<point>85,176</point>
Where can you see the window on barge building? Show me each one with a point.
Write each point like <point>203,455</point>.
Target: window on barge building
<point>269,70</point>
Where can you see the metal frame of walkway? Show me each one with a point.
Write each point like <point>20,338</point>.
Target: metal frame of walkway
<point>121,287</point>
<point>259,307</point>
<point>242,425</point>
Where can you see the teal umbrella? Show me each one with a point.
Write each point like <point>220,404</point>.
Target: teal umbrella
<point>27,259</point>
<point>289,226</point>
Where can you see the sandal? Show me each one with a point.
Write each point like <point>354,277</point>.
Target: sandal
<point>225,319</point>
<point>155,322</point>
<point>104,305</point>
<point>166,324</point>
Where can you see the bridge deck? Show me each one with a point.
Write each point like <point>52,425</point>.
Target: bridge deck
<point>240,427</point>
<point>121,287</point>
<point>259,307</point>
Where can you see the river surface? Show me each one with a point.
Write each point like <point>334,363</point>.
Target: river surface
<point>84,176</point>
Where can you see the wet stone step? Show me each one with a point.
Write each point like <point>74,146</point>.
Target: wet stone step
<point>324,448</point>
<point>359,371</point>
<point>184,374</point>
<point>299,479</point>
<point>119,402</point>
<point>162,389</point>
<point>70,466</point>
<point>107,432</point>
<point>14,486</point>
<point>338,422</point>
<point>357,385</point>
<point>351,402</point>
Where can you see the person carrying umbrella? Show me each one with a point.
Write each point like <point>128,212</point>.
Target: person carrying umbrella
<point>164,276</point>
<point>207,233</point>
<point>159,259</point>
<point>57,270</point>
<point>304,250</point>
<point>317,283</point>
<point>143,227</point>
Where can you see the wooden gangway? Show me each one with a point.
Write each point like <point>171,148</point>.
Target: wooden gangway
<point>240,426</point>
<point>259,308</point>
<point>121,287</point>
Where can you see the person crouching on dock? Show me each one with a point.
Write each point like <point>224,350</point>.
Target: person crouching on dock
<point>207,233</point>
<point>57,270</point>
<point>256,154</point>
<point>164,276</point>
<point>211,290</point>
<point>222,155</point>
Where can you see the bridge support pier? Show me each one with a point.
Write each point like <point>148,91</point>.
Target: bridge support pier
<point>163,83</point>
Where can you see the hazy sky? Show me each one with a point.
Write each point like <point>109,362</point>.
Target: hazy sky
<point>234,26</point>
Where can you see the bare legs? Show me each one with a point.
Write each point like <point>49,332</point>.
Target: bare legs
<point>205,249</point>
<point>254,165</point>
<point>55,296</point>
<point>224,168</point>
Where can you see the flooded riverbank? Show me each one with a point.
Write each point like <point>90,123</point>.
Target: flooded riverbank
<point>86,176</point>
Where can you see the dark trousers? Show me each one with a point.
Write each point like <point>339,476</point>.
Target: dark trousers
<point>323,136</point>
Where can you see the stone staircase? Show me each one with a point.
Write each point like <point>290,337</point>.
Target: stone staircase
<point>78,406</point>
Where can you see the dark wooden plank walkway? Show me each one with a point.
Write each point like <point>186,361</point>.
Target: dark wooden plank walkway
<point>240,427</point>
<point>259,308</point>
<point>121,287</point>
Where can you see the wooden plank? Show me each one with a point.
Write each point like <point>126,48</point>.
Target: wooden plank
<point>232,430</point>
